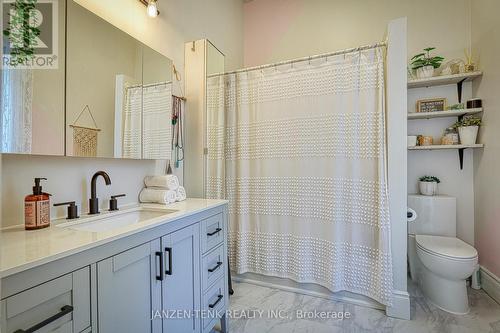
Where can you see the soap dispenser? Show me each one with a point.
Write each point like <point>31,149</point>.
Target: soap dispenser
<point>37,208</point>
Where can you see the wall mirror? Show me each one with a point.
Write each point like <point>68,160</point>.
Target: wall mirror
<point>32,99</point>
<point>118,92</point>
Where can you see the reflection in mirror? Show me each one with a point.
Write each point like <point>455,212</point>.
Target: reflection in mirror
<point>157,105</point>
<point>101,61</point>
<point>32,100</point>
<point>119,92</point>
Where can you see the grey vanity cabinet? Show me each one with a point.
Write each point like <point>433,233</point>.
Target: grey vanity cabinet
<point>181,286</point>
<point>60,305</point>
<point>128,290</point>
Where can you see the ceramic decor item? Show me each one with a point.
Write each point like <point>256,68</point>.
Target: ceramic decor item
<point>428,185</point>
<point>468,128</point>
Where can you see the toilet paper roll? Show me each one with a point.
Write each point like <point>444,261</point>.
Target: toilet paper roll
<point>411,215</point>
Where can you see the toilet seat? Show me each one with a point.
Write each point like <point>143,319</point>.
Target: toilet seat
<point>447,247</point>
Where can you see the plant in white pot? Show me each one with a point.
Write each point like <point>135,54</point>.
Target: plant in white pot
<point>467,129</point>
<point>428,185</point>
<point>423,64</point>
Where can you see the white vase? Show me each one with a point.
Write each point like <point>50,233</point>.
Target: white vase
<point>425,72</point>
<point>428,188</point>
<point>468,134</point>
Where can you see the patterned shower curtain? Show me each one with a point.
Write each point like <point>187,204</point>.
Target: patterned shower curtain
<point>299,151</point>
<point>16,110</point>
<point>132,128</point>
<point>157,121</point>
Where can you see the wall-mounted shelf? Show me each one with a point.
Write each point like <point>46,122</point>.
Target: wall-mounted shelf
<point>438,147</point>
<point>442,114</point>
<point>460,149</point>
<point>443,80</point>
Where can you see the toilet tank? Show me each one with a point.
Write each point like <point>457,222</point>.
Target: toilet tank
<point>436,215</point>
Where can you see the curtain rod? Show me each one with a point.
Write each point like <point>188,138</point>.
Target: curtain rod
<point>148,85</point>
<point>354,49</point>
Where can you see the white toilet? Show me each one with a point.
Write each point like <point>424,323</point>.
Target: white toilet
<point>439,262</point>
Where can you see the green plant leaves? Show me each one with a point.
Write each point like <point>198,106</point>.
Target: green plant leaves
<point>424,59</point>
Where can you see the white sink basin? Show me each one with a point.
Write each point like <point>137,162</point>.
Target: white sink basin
<point>110,221</point>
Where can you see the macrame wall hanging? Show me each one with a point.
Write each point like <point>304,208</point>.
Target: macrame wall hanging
<point>85,138</point>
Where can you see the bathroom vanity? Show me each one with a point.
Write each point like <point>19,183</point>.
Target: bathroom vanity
<point>149,268</point>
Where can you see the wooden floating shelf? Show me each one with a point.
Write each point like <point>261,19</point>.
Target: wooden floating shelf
<point>459,148</point>
<point>444,80</point>
<point>441,147</point>
<point>442,114</point>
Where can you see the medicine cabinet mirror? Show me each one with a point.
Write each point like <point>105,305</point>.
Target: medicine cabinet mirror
<point>118,92</point>
<point>110,96</point>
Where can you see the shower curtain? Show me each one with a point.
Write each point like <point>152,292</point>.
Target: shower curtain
<point>147,129</point>
<point>157,118</point>
<point>299,152</point>
<point>16,116</point>
<point>132,127</point>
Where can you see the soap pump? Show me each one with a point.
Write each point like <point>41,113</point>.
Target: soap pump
<point>37,208</point>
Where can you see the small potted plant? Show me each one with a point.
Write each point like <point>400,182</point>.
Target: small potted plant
<point>428,185</point>
<point>424,64</point>
<point>467,129</point>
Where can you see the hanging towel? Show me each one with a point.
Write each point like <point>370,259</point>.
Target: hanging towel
<point>170,182</point>
<point>149,195</point>
<point>181,193</point>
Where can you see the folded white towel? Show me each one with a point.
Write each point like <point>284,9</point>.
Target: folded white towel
<point>157,196</point>
<point>170,182</point>
<point>181,193</point>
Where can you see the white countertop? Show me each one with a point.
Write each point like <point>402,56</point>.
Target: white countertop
<point>21,250</point>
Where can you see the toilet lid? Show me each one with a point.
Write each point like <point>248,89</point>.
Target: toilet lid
<point>446,246</point>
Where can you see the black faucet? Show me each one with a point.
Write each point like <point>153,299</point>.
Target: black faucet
<point>94,201</point>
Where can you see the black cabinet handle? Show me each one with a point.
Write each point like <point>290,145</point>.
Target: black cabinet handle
<point>211,306</point>
<point>215,232</point>
<point>169,270</point>
<point>219,263</point>
<point>64,311</point>
<point>158,254</point>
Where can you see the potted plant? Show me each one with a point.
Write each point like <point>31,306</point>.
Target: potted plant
<point>424,64</point>
<point>467,129</point>
<point>428,185</point>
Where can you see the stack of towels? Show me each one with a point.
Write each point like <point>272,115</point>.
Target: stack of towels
<point>163,189</point>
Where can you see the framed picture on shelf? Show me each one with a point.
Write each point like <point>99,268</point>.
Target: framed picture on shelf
<point>431,105</point>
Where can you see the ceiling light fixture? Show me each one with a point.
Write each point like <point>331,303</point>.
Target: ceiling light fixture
<point>152,8</point>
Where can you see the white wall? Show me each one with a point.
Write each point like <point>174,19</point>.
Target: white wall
<point>486,46</point>
<point>220,21</point>
<point>305,27</point>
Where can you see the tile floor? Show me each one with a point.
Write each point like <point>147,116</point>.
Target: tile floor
<point>483,317</point>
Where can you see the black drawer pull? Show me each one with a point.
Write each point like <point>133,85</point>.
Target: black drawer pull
<point>213,269</point>
<point>64,311</point>
<point>160,255</point>
<point>215,232</point>
<point>169,270</point>
<point>211,306</point>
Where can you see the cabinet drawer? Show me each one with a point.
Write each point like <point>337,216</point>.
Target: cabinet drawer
<point>212,232</point>
<point>214,301</point>
<point>59,305</point>
<point>213,266</point>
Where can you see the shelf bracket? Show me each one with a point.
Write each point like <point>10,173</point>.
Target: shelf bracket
<point>459,89</point>
<point>461,157</point>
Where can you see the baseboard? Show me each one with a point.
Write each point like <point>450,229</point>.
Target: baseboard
<point>490,283</point>
<point>307,289</point>
<point>400,305</point>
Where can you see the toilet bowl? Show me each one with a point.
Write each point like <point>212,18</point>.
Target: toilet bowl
<point>445,264</point>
